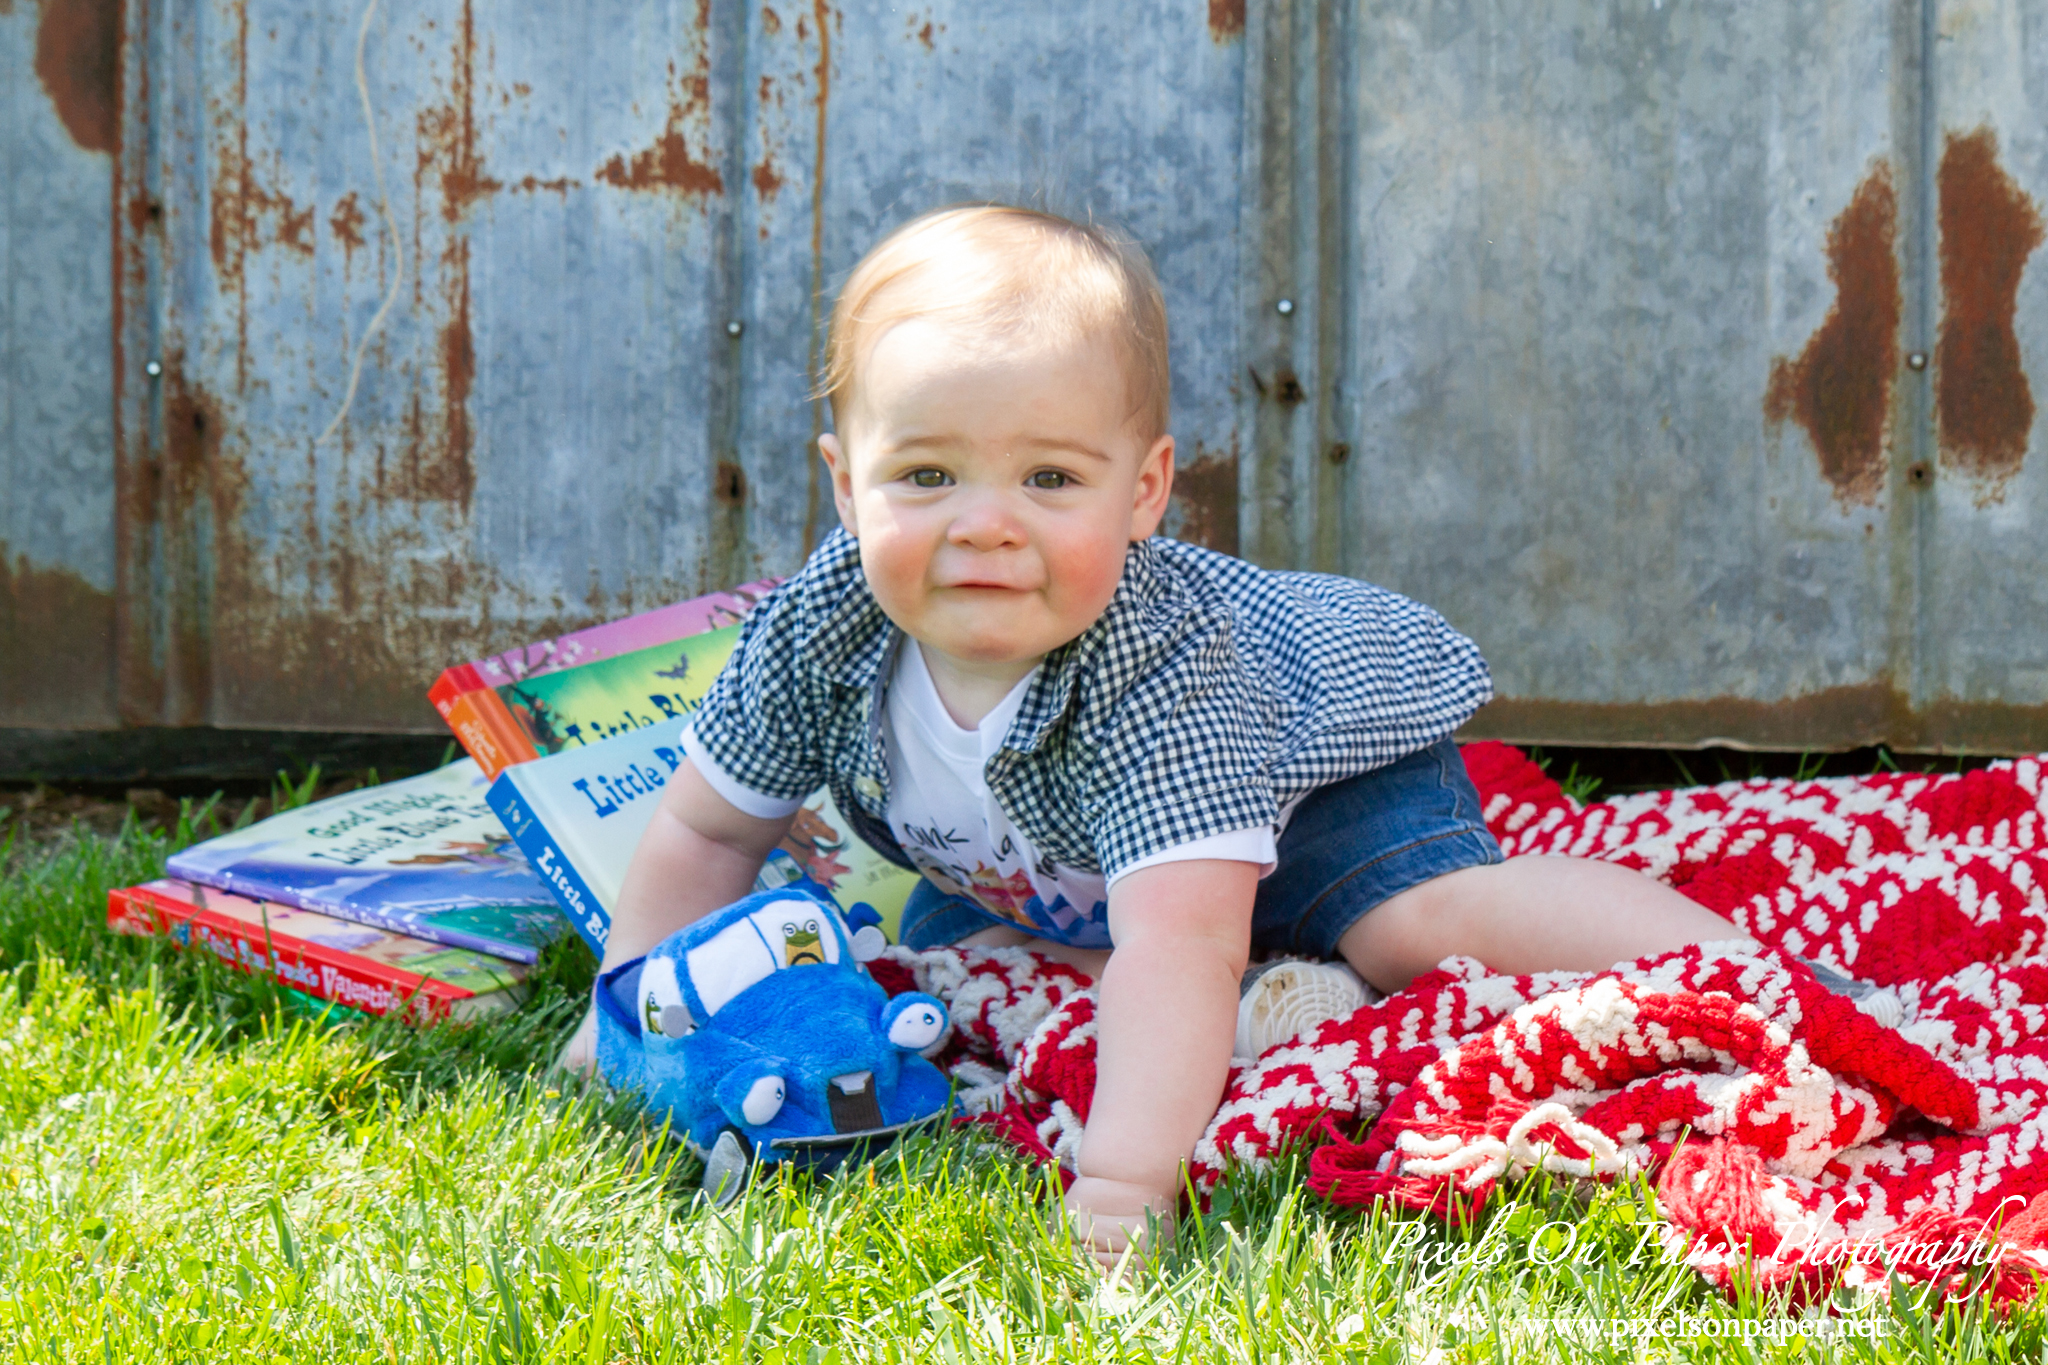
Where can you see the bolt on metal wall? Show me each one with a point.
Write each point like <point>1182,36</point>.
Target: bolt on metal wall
<point>1677,349</point>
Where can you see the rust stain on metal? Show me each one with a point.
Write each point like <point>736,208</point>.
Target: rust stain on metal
<point>669,163</point>
<point>447,133</point>
<point>1833,718</point>
<point>767,180</point>
<point>1839,389</point>
<point>78,61</point>
<point>1287,387</point>
<point>822,74</point>
<point>533,184</point>
<point>450,475</point>
<point>1205,493</point>
<point>143,213</point>
<point>347,223</point>
<point>1226,19</point>
<point>130,280</point>
<point>224,218</point>
<point>771,22</point>
<point>242,212</point>
<point>181,519</point>
<point>57,635</point>
<point>729,485</point>
<point>1988,229</point>
<point>294,224</point>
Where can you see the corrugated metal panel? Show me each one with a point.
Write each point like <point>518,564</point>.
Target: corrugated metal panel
<point>1983,676</point>
<point>1598,325</point>
<point>1632,292</point>
<point>57,129</point>
<point>527,447</point>
<point>1580,249</point>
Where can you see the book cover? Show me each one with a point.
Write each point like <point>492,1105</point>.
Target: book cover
<point>365,968</point>
<point>425,857</point>
<point>503,712</point>
<point>577,707</point>
<point>579,814</point>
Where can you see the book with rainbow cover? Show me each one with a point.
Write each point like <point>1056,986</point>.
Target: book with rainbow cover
<point>589,685</point>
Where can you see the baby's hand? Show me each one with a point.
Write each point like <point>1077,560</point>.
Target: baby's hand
<point>579,1054</point>
<point>1106,1218</point>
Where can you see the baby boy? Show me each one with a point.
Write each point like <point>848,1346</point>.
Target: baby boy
<point>1141,757</point>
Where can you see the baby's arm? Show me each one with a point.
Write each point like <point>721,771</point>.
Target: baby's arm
<point>700,852</point>
<point>1166,1017</point>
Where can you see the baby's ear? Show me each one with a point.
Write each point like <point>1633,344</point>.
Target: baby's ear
<point>835,459</point>
<point>1155,487</point>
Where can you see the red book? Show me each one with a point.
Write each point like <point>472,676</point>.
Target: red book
<point>482,725</point>
<point>365,968</point>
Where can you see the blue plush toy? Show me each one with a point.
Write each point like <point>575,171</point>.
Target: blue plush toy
<point>758,1034</point>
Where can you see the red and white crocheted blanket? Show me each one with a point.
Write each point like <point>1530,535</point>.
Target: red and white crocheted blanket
<point>1837,1150</point>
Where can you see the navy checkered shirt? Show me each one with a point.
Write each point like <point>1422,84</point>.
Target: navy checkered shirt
<point>1209,694</point>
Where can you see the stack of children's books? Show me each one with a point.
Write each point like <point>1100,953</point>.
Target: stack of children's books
<point>430,898</point>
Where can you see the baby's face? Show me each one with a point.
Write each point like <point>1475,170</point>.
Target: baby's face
<point>994,490</point>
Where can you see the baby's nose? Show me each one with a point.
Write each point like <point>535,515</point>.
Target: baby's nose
<point>987,523</point>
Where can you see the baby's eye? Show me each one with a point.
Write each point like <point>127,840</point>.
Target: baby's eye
<point>929,478</point>
<point>1048,478</point>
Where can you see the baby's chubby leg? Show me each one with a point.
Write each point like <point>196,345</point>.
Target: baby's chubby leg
<point>1528,914</point>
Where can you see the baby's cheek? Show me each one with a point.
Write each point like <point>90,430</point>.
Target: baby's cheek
<point>894,565</point>
<point>1087,574</point>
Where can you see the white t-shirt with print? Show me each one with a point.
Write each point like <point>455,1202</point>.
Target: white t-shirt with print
<point>949,823</point>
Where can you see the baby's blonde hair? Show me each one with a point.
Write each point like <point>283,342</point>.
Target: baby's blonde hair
<point>1008,272</point>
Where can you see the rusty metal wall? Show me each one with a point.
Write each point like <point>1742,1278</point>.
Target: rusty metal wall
<point>1598,330</point>
<point>616,227</point>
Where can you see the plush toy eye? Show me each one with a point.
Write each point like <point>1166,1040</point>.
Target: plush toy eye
<point>661,1000</point>
<point>915,1022</point>
<point>789,928</point>
<point>764,1100</point>
<point>811,925</point>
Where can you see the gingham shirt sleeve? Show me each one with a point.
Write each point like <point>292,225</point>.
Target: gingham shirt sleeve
<point>756,723</point>
<point>1187,756</point>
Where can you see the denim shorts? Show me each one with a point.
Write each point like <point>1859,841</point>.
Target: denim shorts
<point>1349,847</point>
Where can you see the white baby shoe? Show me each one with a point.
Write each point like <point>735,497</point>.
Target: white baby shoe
<point>1289,998</point>
<point>1879,1002</point>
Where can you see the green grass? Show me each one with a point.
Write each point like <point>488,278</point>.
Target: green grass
<point>191,1171</point>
